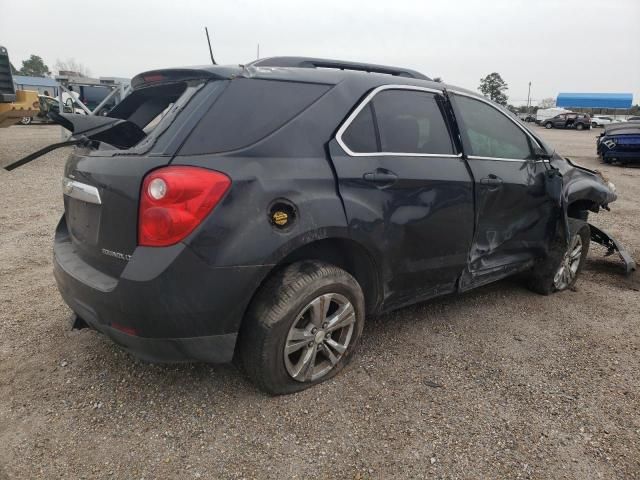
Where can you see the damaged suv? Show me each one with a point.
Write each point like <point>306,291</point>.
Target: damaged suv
<point>261,211</point>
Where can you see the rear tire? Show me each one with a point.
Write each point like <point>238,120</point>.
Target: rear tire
<point>594,124</point>
<point>548,125</point>
<point>579,126</point>
<point>26,120</point>
<point>291,338</point>
<point>560,269</point>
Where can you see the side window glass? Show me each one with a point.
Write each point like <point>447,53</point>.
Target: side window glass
<point>490,133</point>
<point>411,122</point>
<point>360,137</point>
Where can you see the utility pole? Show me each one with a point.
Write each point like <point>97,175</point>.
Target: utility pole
<point>529,99</point>
<point>258,53</point>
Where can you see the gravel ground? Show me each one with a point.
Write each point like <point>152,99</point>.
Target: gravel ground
<point>497,383</point>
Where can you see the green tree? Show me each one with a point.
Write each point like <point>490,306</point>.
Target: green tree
<point>34,67</point>
<point>494,87</point>
<point>14,70</point>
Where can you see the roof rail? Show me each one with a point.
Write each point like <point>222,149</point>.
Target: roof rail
<point>309,62</point>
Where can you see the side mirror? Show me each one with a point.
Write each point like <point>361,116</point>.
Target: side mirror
<point>541,154</point>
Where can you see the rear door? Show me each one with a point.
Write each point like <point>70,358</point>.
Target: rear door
<point>513,210</point>
<point>559,121</point>
<point>407,192</point>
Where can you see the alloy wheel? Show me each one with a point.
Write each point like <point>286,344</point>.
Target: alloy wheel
<point>568,269</point>
<point>319,337</point>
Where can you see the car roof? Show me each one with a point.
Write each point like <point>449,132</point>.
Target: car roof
<point>359,76</point>
<point>305,69</point>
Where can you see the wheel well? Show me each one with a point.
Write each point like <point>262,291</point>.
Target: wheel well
<point>580,209</point>
<point>348,255</point>
<point>343,253</point>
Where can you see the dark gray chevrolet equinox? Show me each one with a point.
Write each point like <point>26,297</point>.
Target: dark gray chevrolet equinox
<point>261,211</point>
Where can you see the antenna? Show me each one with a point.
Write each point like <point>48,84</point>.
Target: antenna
<point>209,42</point>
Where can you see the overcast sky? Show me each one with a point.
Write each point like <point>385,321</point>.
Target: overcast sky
<point>558,45</point>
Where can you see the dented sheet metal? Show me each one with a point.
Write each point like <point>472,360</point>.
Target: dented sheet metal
<point>529,212</point>
<point>517,221</point>
<point>613,246</point>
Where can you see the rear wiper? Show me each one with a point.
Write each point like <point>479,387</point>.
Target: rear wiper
<point>87,129</point>
<point>18,163</point>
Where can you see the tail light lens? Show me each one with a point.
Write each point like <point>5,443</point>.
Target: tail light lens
<point>174,200</point>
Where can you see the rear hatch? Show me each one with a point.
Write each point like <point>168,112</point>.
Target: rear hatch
<point>169,112</point>
<point>102,180</point>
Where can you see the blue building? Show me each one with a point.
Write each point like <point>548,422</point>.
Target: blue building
<point>40,84</point>
<point>595,100</point>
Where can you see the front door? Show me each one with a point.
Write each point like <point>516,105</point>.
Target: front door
<point>560,121</point>
<point>513,210</point>
<point>407,193</point>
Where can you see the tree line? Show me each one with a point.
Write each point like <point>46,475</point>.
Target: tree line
<point>34,66</point>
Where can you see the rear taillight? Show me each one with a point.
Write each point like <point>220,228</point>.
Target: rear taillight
<point>174,200</point>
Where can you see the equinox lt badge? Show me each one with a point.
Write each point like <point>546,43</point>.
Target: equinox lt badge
<point>118,255</point>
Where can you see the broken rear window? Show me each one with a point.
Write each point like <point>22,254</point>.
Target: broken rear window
<point>147,112</point>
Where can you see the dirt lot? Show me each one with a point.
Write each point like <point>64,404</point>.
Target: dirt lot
<point>497,383</point>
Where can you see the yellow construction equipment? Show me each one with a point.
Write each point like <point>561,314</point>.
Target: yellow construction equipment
<point>14,105</point>
<point>25,105</point>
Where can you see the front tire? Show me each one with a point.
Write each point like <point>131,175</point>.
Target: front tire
<point>579,126</point>
<point>26,120</point>
<point>560,269</point>
<point>302,328</point>
<point>548,125</point>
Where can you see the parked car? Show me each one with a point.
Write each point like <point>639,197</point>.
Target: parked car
<point>579,121</point>
<point>277,204</point>
<point>633,119</point>
<point>543,114</point>
<point>527,117</point>
<point>48,104</point>
<point>619,143</point>
<point>599,121</point>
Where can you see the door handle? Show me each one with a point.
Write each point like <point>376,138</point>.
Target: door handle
<point>381,177</point>
<point>492,180</point>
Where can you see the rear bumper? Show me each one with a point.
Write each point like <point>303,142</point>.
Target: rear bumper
<point>166,306</point>
<point>210,349</point>
<point>623,155</point>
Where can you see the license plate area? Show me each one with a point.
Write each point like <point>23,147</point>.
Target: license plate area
<point>83,220</point>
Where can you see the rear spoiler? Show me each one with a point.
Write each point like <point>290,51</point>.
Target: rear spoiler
<point>169,75</point>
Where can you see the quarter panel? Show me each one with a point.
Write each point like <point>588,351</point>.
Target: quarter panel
<point>240,232</point>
